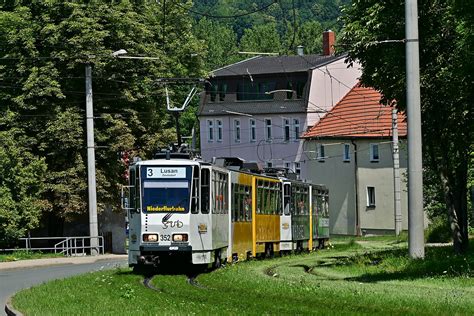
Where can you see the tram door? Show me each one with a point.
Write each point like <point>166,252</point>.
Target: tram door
<point>285,219</point>
<point>201,226</point>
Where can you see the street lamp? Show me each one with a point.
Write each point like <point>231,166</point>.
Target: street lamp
<point>91,172</point>
<point>121,52</point>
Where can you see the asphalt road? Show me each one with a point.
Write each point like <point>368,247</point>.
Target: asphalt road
<point>14,280</point>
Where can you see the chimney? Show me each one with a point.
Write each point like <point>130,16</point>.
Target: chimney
<point>300,50</point>
<point>329,39</point>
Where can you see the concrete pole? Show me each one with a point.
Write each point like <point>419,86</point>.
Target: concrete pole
<point>93,227</point>
<point>396,174</point>
<point>416,245</point>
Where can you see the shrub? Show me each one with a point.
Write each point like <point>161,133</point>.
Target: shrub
<point>438,231</point>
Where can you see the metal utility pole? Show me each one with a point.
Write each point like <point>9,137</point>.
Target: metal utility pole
<point>416,247</point>
<point>93,227</point>
<point>396,174</point>
<point>178,129</point>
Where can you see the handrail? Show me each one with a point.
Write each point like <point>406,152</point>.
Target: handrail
<point>68,246</point>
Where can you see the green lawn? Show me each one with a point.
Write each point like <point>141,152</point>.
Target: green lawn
<point>351,278</point>
<point>25,255</point>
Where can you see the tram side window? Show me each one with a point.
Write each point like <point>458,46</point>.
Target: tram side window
<point>138,191</point>
<point>320,205</point>
<point>248,203</point>
<point>195,191</point>
<point>259,197</point>
<point>278,205</point>
<point>235,202</point>
<point>241,202</point>
<point>215,194</point>
<point>286,199</point>
<point>132,189</point>
<point>224,192</point>
<point>268,197</point>
<point>306,200</point>
<point>219,181</point>
<point>205,187</point>
<point>326,205</point>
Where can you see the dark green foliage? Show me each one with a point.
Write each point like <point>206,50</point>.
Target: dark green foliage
<point>438,230</point>
<point>21,186</point>
<point>43,52</point>
<point>277,29</point>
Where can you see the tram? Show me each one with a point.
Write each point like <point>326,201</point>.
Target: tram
<point>181,210</point>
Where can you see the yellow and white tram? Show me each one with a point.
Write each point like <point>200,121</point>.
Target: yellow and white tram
<point>187,211</point>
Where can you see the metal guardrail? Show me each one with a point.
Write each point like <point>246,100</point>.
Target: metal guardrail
<point>69,246</point>
<point>74,246</point>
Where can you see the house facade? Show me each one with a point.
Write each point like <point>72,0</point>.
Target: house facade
<point>257,109</point>
<point>350,150</point>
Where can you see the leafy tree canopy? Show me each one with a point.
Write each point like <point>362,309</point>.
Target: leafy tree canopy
<point>21,186</point>
<point>44,48</point>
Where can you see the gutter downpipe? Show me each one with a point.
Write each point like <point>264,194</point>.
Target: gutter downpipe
<point>356,175</point>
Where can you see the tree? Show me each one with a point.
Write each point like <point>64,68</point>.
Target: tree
<point>261,38</point>
<point>220,41</point>
<point>446,91</point>
<point>21,185</point>
<point>308,34</point>
<point>44,48</point>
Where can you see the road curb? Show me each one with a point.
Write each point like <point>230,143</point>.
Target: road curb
<point>34,263</point>
<point>9,310</point>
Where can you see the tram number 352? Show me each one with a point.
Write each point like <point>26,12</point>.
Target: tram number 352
<point>165,237</point>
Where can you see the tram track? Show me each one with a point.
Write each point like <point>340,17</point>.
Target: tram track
<point>191,280</point>
<point>147,283</point>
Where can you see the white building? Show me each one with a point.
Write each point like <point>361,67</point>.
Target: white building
<point>258,108</point>
<point>350,151</point>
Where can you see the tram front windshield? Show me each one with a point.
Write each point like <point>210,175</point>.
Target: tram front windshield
<point>166,195</point>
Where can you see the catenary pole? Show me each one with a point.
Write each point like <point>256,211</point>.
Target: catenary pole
<point>91,181</point>
<point>415,176</point>
<point>396,174</point>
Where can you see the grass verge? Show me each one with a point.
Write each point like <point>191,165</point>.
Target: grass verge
<point>350,279</point>
<point>25,255</point>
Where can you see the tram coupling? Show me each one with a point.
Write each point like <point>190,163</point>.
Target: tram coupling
<point>149,260</point>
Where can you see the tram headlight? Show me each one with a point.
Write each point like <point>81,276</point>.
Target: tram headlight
<point>180,237</point>
<point>150,237</point>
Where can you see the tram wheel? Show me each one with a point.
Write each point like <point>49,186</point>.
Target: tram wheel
<point>269,250</point>
<point>217,260</point>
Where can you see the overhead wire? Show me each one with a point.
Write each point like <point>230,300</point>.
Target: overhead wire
<point>233,16</point>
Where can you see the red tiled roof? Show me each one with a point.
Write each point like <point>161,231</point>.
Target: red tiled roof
<point>358,114</point>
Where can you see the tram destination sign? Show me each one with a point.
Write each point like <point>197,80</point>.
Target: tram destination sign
<point>165,172</point>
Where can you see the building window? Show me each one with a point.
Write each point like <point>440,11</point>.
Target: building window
<point>288,165</point>
<point>213,91</point>
<point>370,196</point>
<point>222,91</point>
<point>253,130</point>
<point>346,153</point>
<point>237,131</point>
<point>268,130</point>
<point>219,130</point>
<point>255,91</point>
<point>298,169</point>
<point>320,153</point>
<point>286,130</point>
<point>374,152</point>
<point>289,94</point>
<point>296,129</point>
<point>299,89</point>
<point>210,131</point>
<point>269,164</point>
